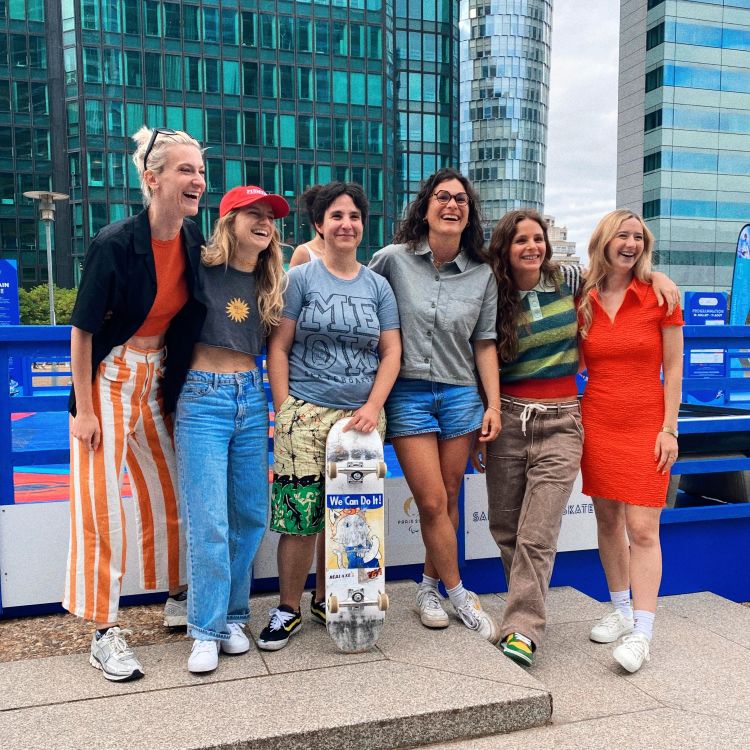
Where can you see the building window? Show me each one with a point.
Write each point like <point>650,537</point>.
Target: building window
<point>651,209</point>
<point>652,162</point>
<point>190,23</point>
<point>652,120</point>
<point>655,36</point>
<point>655,78</point>
<point>654,3</point>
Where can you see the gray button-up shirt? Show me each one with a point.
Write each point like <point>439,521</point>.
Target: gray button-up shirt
<point>441,311</point>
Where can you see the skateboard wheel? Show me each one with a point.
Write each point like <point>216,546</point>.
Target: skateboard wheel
<point>382,469</point>
<point>383,601</point>
<point>332,470</point>
<point>333,603</point>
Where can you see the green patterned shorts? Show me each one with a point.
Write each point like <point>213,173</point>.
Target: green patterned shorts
<point>299,452</point>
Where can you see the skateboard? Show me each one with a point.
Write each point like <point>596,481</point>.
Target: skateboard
<point>354,533</point>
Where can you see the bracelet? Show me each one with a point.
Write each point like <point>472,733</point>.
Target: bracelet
<point>670,431</point>
<point>494,408</point>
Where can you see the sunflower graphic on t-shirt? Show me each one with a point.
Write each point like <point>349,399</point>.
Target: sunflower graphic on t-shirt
<point>237,310</point>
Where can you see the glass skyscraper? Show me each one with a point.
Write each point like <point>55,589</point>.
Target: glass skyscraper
<point>504,96</point>
<point>684,131</point>
<point>283,94</point>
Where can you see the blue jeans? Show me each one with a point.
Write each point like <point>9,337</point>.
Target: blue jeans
<point>221,440</point>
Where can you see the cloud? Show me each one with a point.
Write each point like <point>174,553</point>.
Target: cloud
<point>582,137</point>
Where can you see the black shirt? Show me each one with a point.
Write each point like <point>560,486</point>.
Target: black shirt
<point>117,291</point>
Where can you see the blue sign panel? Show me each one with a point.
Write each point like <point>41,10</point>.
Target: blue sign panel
<point>705,308</point>
<point>9,315</point>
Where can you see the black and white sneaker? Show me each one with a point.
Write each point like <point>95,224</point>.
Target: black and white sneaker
<point>283,624</point>
<point>318,608</point>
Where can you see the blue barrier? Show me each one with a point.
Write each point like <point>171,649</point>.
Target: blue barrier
<point>694,539</point>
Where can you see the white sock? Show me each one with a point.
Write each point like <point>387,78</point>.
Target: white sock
<point>644,622</point>
<point>457,595</point>
<point>428,582</point>
<point>621,602</point>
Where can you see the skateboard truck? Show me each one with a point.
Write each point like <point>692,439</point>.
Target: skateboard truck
<point>356,598</point>
<point>356,470</point>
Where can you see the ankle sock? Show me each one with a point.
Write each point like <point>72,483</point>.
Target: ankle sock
<point>102,631</point>
<point>429,582</point>
<point>621,602</point>
<point>644,622</point>
<point>181,597</point>
<point>457,595</point>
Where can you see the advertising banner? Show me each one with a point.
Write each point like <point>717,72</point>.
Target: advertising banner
<point>739,311</point>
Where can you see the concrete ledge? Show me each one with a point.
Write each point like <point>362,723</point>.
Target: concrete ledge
<point>417,687</point>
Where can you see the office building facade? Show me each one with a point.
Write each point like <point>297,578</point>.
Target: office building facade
<point>504,97</point>
<point>684,131</point>
<point>282,93</point>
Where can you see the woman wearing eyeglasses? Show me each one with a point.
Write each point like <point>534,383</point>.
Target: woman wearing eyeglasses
<point>134,324</point>
<point>447,302</point>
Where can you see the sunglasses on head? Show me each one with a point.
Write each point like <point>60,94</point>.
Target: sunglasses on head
<point>154,134</point>
<point>443,196</point>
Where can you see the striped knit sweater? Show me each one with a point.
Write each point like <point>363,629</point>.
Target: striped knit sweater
<point>548,346</point>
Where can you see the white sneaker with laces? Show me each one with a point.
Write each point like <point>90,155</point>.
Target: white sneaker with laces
<point>611,628</point>
<point>431,611</point>
<point>238,642</point>
<point>204,656</point>
<point>632,652</point>
<point>114,657</point>
<point>475,618</point>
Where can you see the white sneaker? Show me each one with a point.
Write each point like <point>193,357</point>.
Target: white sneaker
<point>175,611</point>
<point>632,652</point>
<point>238,642</point>
<point>114,657</point>
<point>431,611</point>
<point>611,628</point>
<point>204,656</point>
<point>475,618</point>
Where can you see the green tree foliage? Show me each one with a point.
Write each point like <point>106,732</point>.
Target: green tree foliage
<point>34,305</point>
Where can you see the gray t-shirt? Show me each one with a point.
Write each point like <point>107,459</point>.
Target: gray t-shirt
<point>232,317</point>
<point>442,311</point>
<point>334,356</point>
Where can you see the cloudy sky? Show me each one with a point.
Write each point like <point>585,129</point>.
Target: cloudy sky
<point>582,139</point>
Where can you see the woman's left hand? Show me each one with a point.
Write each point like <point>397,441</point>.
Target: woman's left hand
<point>665,452</point>
<point>490,426</point>
<point>365,419</point>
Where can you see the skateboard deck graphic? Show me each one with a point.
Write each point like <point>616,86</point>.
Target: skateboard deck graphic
<point>354,534</point>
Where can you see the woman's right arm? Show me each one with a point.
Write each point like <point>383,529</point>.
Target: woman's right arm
<point>277,360</point>
<point>300,255</point>
<point>86,427</point>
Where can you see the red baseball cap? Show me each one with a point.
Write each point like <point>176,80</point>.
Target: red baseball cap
<point>240,197</point>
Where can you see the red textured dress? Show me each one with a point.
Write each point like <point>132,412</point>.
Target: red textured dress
<point>623,405</point>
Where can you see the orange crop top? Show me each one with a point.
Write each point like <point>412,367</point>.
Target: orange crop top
<point>171,286</point>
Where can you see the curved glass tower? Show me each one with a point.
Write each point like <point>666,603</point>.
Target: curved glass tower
<point>504,94</point>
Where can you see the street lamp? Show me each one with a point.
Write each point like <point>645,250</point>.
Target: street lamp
<point>47,215</point>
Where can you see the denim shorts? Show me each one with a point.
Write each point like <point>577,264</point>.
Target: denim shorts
<point>416,407</point>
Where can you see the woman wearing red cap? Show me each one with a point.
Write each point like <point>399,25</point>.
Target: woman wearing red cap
<point>221,428</point>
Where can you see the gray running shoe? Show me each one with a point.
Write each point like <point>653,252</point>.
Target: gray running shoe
<point>431,611</point>
<point>113,656</point>
<point>175,611</point>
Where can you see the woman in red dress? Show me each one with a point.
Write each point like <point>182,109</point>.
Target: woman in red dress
<point>630,423</point>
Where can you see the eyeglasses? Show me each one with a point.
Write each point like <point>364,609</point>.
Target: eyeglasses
<point>444,197</point>
<point>154,133</point>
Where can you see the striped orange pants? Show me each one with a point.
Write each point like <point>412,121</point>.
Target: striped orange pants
<point>135,433</point>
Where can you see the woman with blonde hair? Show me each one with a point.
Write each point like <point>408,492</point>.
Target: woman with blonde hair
<point>134,304</point>
<point>630,422</point>
<point>221,428</point>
